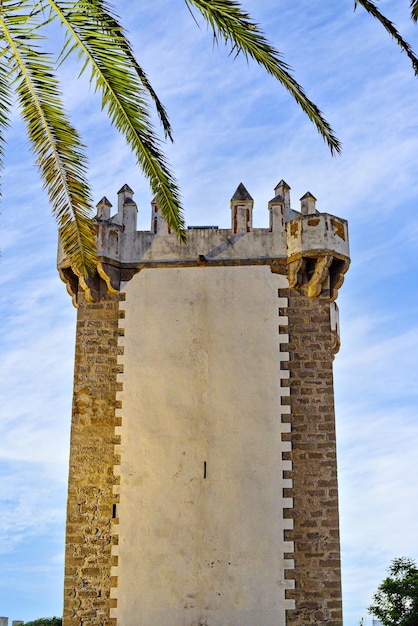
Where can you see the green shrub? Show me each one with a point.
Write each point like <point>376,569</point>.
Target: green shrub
<point>45,621</point>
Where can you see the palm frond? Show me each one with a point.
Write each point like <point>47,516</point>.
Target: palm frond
<point>414,10</point>
<point>5,102</point>
<point>54,141</point>
<point>107,18</point>
<point>96,40</point>
<point>371,8</point>
<point>231,23</point>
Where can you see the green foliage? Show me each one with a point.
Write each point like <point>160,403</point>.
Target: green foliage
<point>396,601</point>
<point>232,24</point>
<point>96,38</point>
<point>371,8</point>
<point>414,10</point>
<point>45,621</point>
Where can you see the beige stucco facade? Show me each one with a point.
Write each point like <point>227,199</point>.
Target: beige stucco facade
<point>201,525</point>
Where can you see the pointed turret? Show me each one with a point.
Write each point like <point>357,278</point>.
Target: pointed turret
<point>124,193</point>
<point>103,208</point>
<point>158,223</point>
<point>241,194</point>
<point>276,206</point>
<point>279,206</point>
<point>282,193</point>
<point>308,204</point>
<point>127,210</point>
<point>241,211</point>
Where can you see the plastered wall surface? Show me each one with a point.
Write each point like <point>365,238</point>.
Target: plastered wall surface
<point>201,524</point>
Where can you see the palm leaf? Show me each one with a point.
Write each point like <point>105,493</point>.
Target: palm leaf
<point>108,18</point>
<point>229,22</point>
<point>97,40</point>
<point>5,102</point>
<point>414,10</point>
<point>54,141</point>
<point>371,8</point>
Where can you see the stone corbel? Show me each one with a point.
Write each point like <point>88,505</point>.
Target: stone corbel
<point>320,276</point>
<point>110,275</point>
<point>94,286</point>
<point>71,282</point>
<point>296,272</point>
<point>314,271</point>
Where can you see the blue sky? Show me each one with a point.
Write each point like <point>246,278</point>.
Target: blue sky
<point>232,123</point>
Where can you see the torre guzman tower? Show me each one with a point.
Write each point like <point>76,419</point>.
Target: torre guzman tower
<point>203,475</point>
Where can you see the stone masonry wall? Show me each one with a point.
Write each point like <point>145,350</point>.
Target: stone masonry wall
<point>315,533</point>
<point>91,503</point>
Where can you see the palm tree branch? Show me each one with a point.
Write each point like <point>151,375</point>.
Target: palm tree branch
<point>161,110</point>
<point>371,8</point>
<point>55,142</point>
<point>228,20</point>
<point>111,22</point>
<point>110,19</point>
<point>5,103</point>
<point>112,75</point>
<point>414,10</point>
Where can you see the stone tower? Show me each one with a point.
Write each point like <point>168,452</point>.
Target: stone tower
<point>203,476</point>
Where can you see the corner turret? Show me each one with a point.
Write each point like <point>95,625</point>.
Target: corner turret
<point>317,249</point>
<point>103,209</point>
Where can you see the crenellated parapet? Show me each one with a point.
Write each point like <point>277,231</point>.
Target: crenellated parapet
<point>310,247</point>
